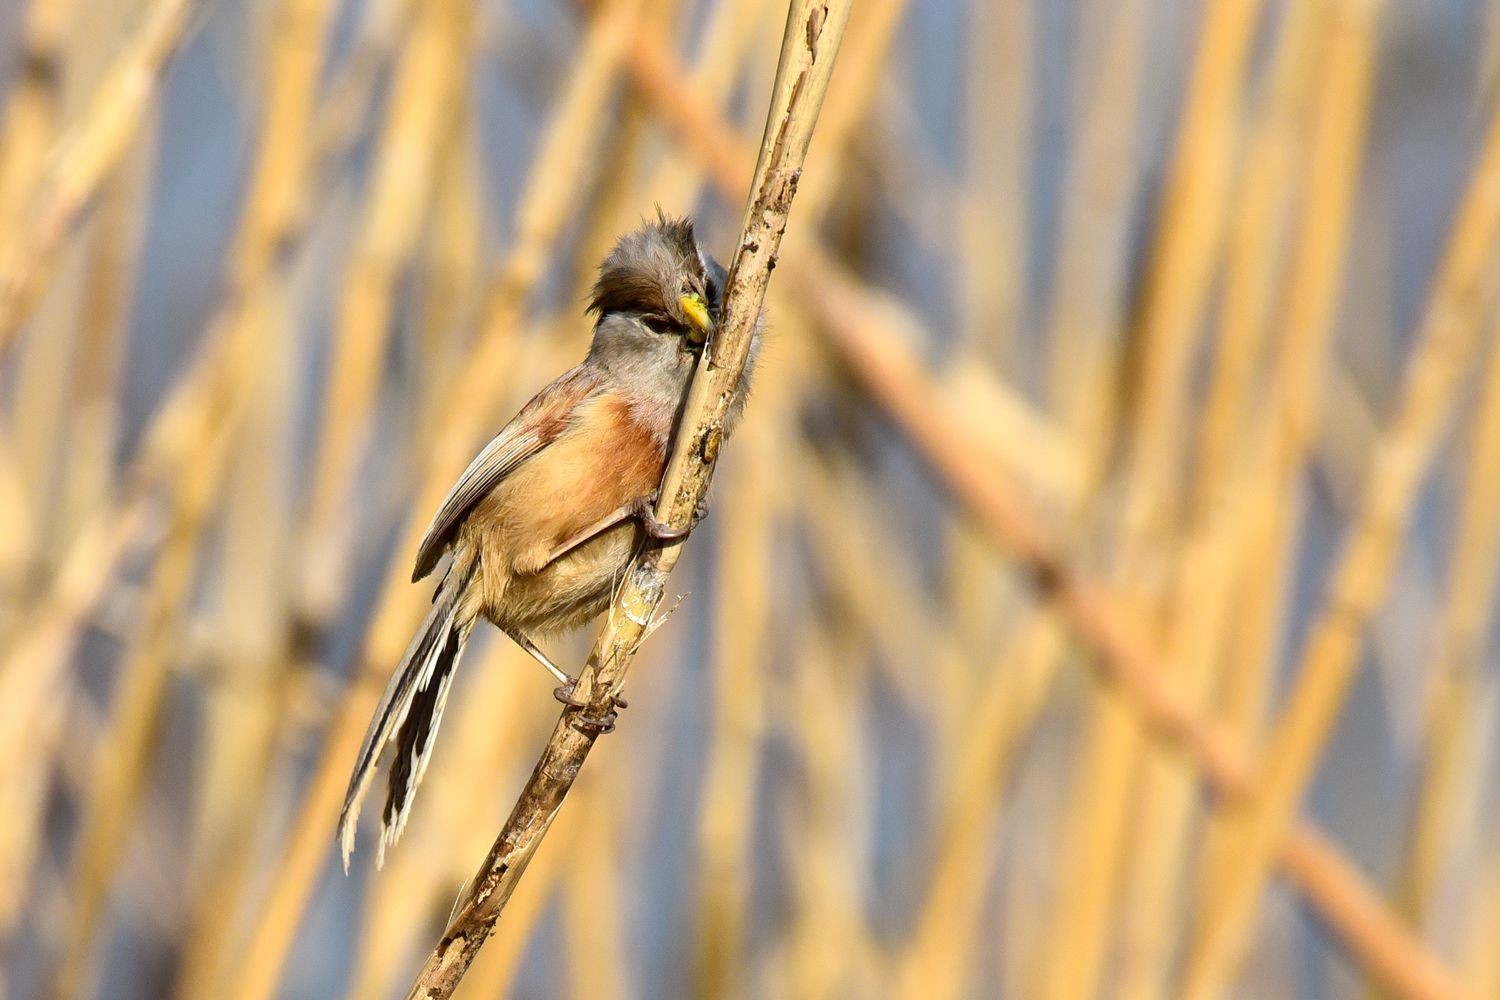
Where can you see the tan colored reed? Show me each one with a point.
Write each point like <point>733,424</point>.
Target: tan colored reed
<point>1360,577</point>
<point>34,103</point>
<point>993,195</point>
<point>83,158</point>
<point>1262,220</point>
<point>745,641</point>
<point>121,777</point>
<point>957,615</point>
<point>1455,686</point>
<point>830,951</point>
<point>419,122</point>
<point>1351,907</point>
<point>1211,553</point>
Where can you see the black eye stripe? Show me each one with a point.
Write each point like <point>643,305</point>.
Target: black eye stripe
<point>657,323</point>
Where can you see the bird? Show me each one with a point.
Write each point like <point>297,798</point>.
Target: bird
<point>544,521</point>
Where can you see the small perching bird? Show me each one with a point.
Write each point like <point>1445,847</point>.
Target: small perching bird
<point>544,521</point>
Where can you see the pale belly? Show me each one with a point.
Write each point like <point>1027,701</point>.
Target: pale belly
<point>565,594</point>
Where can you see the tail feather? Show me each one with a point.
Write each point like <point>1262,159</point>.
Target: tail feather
<point>419,682</point>
<point>415,739</point>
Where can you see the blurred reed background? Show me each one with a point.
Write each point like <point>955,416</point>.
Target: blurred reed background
<point>1097,602</point>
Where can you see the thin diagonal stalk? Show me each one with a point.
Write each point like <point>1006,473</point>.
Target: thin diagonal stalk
<point>814,30</point>
<point>495,971</point>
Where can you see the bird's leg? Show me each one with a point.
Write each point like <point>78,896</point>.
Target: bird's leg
<point>576,539</point>
<point>525,643</point>
<point>642,509</point>
<point>564,693</point>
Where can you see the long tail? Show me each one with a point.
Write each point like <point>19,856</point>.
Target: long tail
<point>409,713</point>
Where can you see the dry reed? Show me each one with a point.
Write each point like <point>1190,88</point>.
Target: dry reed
<point>1018,409</point>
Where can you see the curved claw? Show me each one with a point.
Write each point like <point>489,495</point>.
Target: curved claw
<point>599,727</point>
<point>644,511</point>
<point>565,694</point>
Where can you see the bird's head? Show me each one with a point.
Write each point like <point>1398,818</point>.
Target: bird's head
<point>659,278</point>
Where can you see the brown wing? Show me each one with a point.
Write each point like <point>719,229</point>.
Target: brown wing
<point>536,426</point>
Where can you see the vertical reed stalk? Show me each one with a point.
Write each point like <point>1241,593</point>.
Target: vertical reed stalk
<point>1455,681</point>
<point>83,158</point>
<point>1360,577</point>
<point>126,748</point>
<point>419,121</point>
<point>739,708</point>
<point>1210,555</point>
<point>1176,290</point>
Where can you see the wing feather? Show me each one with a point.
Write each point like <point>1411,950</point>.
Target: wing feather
<point>537,425</point>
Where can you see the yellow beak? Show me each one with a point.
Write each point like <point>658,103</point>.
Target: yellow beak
<point>696,310</point>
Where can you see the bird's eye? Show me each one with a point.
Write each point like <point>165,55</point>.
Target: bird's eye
<point>657,323</point>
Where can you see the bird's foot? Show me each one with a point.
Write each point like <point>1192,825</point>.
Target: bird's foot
<point>566,694</point>
<point>643,509</point>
